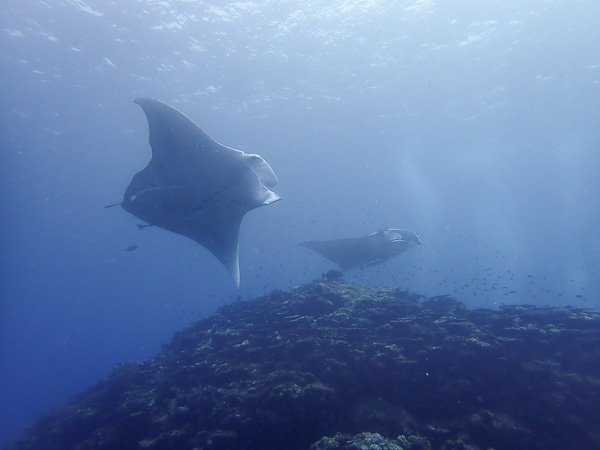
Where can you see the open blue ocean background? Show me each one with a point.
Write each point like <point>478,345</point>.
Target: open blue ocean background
<point>474,123</point>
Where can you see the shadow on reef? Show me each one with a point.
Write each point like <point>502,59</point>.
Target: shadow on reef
<point>338,365</point>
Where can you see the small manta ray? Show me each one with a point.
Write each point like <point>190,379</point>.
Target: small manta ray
<point>332,275</point>
<point>195,186</point>
<point>131,248</point>
<point>365,251</point>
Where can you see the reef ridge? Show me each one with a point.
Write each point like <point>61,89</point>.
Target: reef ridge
<point>339,365</point>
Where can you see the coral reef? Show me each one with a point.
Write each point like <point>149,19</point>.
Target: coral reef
<point>338,365</point>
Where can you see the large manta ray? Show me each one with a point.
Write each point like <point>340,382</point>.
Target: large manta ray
<point>195,186</point>
<point>365,251</point>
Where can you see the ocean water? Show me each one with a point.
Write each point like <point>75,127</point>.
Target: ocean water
<point>472,123</point>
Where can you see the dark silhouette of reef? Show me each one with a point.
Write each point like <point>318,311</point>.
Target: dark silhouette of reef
<point>338,365</point>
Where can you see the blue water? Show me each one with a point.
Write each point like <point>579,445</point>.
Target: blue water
<point>473,123</point>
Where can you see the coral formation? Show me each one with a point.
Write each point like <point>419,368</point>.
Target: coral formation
<point>338,365</point>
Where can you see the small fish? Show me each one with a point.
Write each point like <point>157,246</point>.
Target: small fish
<point>131,248</point>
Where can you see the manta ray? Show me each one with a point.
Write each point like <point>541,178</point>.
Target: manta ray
<point>365,251</point>
<point>196,187</point>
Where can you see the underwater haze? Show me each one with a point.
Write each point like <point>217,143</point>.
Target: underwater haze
<point>473,123</point>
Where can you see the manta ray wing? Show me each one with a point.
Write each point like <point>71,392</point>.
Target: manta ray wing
<point>346,253</point>
<point>195,186</point>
